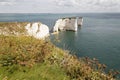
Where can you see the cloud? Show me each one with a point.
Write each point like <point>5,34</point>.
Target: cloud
<point>77,3</point>
<point>67,3</point>
<point>89,5</point>
<point>59,6</point>
<point>7,2</point>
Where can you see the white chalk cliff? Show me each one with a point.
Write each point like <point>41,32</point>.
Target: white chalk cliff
<point>70,23</point>
<point>37,30</point>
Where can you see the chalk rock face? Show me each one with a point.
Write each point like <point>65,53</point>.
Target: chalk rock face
<point>37,30</point>
<point>70,23</point>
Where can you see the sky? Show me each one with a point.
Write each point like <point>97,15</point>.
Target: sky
<point>59,6</point>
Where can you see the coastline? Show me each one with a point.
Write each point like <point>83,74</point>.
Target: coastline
<point>45,53</point>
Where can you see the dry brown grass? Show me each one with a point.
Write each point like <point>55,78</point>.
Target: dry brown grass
<point>12,28</point>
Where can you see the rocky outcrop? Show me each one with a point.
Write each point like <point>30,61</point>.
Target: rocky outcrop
<point>37,30</point>
<point>69,23</point>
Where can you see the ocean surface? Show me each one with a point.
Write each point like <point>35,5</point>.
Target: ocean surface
<point>99,36</point>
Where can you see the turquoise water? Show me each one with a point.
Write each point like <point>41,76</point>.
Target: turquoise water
<point>99,36</point>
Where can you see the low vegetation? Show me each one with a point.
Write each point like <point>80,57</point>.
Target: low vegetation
<point>27,58</point>
<point>12,28</point>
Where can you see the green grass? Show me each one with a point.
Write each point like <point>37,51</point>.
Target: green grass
<point>41,71</point>
<point>23,58</point>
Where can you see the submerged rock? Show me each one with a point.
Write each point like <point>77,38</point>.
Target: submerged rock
<point>69,23</point>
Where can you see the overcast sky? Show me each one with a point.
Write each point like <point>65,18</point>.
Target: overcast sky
<point>58,6</point>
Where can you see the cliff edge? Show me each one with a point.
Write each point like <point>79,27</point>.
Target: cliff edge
<point>36,29</point>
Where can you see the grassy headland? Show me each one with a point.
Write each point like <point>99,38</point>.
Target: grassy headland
<point>13,28</point>
<point>27,58</point>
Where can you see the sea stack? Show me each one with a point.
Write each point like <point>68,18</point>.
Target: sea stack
<point>68,23</point>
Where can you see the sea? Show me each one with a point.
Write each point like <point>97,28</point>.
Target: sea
<point>98,37</point>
